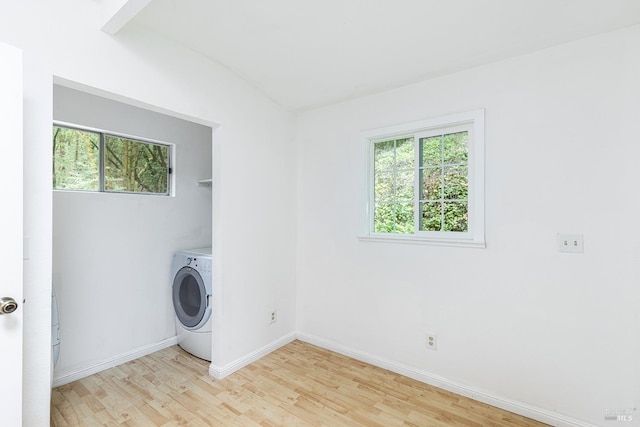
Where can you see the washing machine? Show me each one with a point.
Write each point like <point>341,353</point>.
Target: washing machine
<point>192,274</point>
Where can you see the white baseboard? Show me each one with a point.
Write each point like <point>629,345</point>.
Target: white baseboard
<point>85,371</point>
<point>516,407</point>
<point>219,372</point>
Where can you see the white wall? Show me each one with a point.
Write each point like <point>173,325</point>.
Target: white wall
<point>517,320</point>
<point>254,202</point>
<point>112,253</point>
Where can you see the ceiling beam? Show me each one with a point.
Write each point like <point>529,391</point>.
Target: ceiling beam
<point>117,13</point>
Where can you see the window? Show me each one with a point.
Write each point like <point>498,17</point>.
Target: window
<point>91,160</point>
<point>426,181</point>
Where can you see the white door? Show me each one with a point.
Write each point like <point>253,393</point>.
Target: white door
<point>11,236</point>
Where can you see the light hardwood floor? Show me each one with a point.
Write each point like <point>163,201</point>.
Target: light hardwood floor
<point>296,385</point>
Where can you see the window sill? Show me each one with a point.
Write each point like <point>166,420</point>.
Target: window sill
<point>417,240</point>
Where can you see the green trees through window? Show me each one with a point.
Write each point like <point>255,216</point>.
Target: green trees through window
<point>444,182</point>
<point>76,159</point>
<point>441,177</point>
<point>134,166</point>
<point>393,186</point>
<point>94,161</point>
<point>425,181</point>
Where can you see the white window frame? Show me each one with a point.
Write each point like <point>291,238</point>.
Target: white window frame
<point>473,121</point>
<point>101,178</point>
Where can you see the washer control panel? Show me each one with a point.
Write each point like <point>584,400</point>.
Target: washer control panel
<point>203,264</point>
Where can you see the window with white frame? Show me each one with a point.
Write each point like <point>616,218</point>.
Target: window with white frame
<point>426,181</point>
<point>93,160</point>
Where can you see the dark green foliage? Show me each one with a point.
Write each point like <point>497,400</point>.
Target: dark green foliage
<point>130,165</point>
<point>443,184</point>
<point>76,159</point>
<point>133,166</point>
<point>393,188</point>
<point>394,218</point>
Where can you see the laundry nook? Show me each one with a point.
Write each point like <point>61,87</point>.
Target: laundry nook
<point>115,237</point>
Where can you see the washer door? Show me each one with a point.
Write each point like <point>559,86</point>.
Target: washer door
<point>190,299</point>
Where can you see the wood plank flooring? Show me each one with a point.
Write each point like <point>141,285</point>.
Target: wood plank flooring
<point>296,385</point>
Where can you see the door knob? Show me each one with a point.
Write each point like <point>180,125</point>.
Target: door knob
<point>8,305</point>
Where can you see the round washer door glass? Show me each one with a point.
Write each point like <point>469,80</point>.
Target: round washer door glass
<point>190,298</point>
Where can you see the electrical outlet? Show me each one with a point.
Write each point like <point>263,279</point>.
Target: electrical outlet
<point>273,316</point>
<point>432,341</point>
<point>570,243</point>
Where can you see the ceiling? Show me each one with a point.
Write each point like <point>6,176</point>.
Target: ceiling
<point>309,53</point>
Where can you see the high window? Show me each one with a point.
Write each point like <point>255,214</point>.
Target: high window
<point>91,160</point>
<point>426,181</point>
